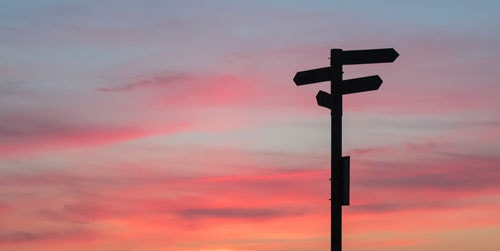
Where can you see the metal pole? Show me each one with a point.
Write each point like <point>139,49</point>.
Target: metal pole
<point>336,154</point>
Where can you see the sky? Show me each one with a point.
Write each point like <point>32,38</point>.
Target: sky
<point>175,125</point>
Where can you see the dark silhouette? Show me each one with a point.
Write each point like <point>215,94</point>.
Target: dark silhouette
<point>333,101</point>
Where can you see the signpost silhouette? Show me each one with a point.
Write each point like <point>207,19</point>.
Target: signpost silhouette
<point>333,101</point>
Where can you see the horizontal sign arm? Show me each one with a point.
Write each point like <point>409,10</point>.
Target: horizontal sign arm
<point>370,83</point>
<point>313,76</point>
<point>374,56</point>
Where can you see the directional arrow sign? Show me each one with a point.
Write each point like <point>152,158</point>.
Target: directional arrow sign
<point>364,84</point>
<point>374,56</point>
<point>313,76</point>
<point>324,99</point>
<point>349,86</point>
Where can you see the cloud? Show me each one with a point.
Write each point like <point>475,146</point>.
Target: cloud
<point>159,204</point>
<point>429,184</point>
<point>30,131</point>
<point>434,204</point>
<point>91,197</point>
<point>20,237</point>
<point>402,150</point>
<point>456,174</point>
<point>235,213</point>
<point>31,134</point>
<point>229,90</point>
<point>366,151</point>
<point>154,81</point>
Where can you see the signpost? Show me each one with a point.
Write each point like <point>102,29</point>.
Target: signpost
<point>333,101</point>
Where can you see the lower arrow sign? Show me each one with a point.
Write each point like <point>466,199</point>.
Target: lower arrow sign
<point>324,99</point>
<point>364,84</point>
<point>370,83</point>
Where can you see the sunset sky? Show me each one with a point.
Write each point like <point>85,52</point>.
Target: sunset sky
<point>154,125</point>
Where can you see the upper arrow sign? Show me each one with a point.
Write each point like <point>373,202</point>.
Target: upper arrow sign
<point>313,76</point>
<point>373,56</point>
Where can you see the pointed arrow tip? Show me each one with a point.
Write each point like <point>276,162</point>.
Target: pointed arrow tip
<point>296,79</point>
<point>379,81</point>
<point>396,54</point>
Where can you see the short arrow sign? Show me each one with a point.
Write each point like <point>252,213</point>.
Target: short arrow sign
<point>313,76</point>
<point>373,56</point>
<point>324,99</point>
<point>364,84</point>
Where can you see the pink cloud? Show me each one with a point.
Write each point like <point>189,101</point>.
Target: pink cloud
<point>179,207</point>
<point>78,236</point>
<point>458,174</point>
<point>43,141</point>
<point>28,133</point>
<point>155,81</point>
<point>406,150</point>
<point>382,243</point>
